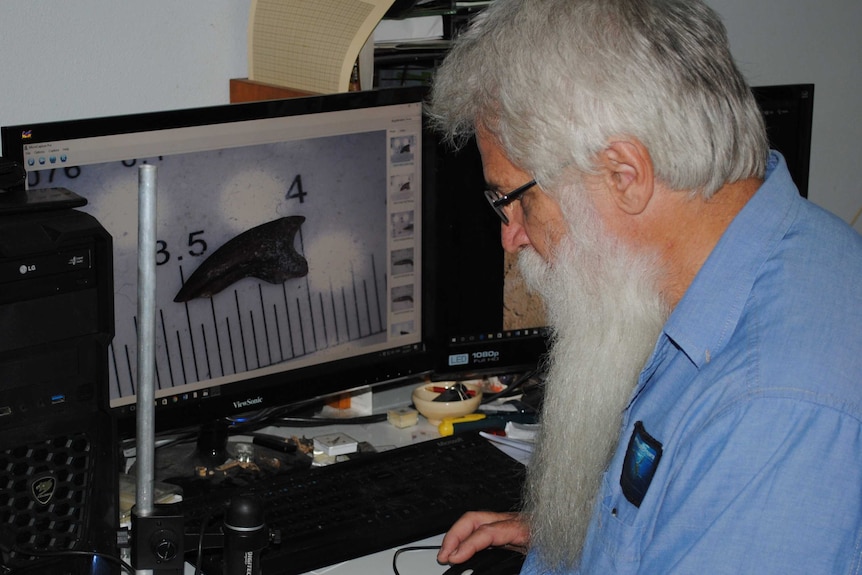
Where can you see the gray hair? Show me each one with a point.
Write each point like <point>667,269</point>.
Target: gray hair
<point>554,81</point>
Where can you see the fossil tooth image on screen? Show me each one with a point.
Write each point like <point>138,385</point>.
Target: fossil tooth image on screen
<point>264,252</point>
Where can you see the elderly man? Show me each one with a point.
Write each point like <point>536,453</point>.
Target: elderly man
<point>703,411</point>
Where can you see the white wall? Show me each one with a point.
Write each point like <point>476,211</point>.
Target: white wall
<point>802,41</point>
<point>83,58</point>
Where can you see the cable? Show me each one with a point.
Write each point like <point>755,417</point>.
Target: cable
<point>48,554</point>
<point>517,384</point>
<point>405,549</point>
<point>319,421</point>
<point>200,554</point>
<point>280,417</point>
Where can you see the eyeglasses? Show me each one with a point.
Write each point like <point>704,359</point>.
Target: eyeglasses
<point>498,202</point>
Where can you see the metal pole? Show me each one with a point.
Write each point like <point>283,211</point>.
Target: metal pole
<point>145,451</point>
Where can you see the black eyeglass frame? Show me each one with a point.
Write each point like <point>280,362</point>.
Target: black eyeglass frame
<point>498,202</point>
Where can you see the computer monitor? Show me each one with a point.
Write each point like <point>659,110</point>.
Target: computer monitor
<point>488,324</point>
<point>788,111</point>
<point>290,257</point>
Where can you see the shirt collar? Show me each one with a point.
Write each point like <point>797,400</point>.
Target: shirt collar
<point>709,311</point>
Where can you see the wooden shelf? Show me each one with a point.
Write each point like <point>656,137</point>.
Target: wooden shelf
<point>245,90</point>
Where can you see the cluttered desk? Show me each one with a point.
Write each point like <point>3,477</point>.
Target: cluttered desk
<point>347,497</point>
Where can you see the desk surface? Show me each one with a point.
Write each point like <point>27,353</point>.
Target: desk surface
<point>412,563</point>
<point>382,436</point>
<point>422,562</point>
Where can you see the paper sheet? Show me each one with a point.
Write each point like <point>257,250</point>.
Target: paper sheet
<point>518,449</point>
<point>309,45</point>
<point>409,30</point>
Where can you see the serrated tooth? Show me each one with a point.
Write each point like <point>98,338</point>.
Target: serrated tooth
<point>264,252</point>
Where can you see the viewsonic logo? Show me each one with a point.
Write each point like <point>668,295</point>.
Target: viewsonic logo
<point>248,402</point>
<point>42,489</point>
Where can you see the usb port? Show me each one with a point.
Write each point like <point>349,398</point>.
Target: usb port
<point>59,398</point>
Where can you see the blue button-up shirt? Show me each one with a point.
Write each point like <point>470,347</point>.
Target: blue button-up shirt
<point>753,397</point>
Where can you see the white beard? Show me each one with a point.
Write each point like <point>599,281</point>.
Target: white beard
<point>606,313</point>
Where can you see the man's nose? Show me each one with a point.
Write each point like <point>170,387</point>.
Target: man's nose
<point>513,235</point>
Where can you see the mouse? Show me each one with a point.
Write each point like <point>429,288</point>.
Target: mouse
<point>490,561</point>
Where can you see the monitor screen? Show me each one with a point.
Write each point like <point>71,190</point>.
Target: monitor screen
<point>289,244</point>
<point>488,323</point>
<point>788,111</point>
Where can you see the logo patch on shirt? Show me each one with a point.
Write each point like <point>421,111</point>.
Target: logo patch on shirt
<point>641,461</point>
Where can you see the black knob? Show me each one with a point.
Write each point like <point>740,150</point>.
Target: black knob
<point>164,544</point>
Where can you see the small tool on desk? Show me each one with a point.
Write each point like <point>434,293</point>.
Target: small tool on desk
<point>456,392</point>
<point>274,442</point>
<point>481,421</point>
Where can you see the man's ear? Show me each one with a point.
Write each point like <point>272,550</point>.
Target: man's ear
<point>628,173</point>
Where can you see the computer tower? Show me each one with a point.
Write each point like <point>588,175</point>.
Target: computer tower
<point>58,452</point>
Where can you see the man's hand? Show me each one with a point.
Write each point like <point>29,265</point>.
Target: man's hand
<point>478,530</point>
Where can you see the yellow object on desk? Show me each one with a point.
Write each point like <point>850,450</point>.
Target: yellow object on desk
<point>447,426</point>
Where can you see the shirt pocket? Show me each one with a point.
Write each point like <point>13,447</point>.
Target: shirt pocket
<point>617,535</point>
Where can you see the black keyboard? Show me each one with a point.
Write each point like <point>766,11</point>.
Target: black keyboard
<point>330,514</point>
